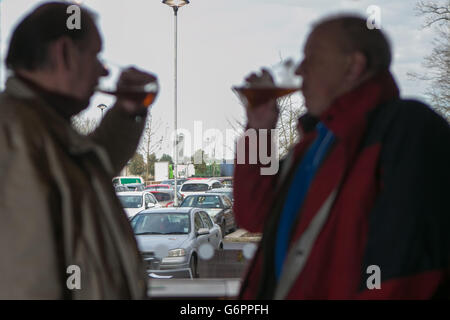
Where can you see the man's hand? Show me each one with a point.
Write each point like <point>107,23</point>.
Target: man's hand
<point>132,78</point>
<point>265,115</point>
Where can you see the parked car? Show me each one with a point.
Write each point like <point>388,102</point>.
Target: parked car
<point>134,202</point>
<point>171,182</point>
<point>121,188</point>
<point>158,187</point>
<point>217,205</point>
<point>226,191</point>
<point>165,197</point>
<point>226,181</point>
<point>196,186</point>
<point>181,231</point>
<point>135,186</point>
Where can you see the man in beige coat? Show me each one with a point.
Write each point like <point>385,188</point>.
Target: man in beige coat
<point>63,233</point>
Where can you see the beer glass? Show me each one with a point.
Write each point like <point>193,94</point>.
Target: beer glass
<point>144,94</point>
<point>279,82</point>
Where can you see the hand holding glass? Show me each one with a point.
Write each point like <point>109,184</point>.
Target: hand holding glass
<point>275,83</point>
<point>142,92</point>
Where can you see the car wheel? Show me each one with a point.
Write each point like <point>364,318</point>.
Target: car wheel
<point>193,267</point>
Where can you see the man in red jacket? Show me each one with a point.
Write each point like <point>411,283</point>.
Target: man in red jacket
<point>358,208</point>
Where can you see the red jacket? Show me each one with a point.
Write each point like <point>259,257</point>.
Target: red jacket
<point>390,165</point>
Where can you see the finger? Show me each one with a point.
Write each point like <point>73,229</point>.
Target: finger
<point>265,74</point>
<point>251,77</point>
<point>132,75</point>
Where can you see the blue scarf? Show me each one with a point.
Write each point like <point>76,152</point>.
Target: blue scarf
<point>298,190</point>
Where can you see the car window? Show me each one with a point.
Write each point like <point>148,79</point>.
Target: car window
<point>227,182</point>
<point>208,202</point>
<point>202,201</point>
<point>161,223</point>
<point>162,196</point>
<point>188,202</point>
<point>227,201</point>
<point>152,198</point>
<point>198,222</point>
<point>121,188</point>
<point>131,201</point>
<point>206,219</point>
<point>194,187</point>
<point>217,185</point>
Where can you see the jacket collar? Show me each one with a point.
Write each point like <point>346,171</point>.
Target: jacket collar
<point>60,127</point>
<point>66,106</point>
<point>349,110</point>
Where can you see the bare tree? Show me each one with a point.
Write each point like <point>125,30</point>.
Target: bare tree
<point>437,63</point>
<point>84,125</point>
<point>149,142</point>
<point>290,111</point>
<point>435,11</point>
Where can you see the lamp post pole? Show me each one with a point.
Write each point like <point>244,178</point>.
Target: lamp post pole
<point>175,12</point>
<point>175,4</point>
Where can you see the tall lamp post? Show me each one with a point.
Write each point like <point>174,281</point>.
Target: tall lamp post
<point>175,4</point>
<point>102,107</point>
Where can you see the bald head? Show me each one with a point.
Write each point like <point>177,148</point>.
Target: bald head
<point>351,34</point>
<point>339,55</point>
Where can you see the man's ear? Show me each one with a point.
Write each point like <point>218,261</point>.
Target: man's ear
<point>357,67</point>
<point>62,52</point>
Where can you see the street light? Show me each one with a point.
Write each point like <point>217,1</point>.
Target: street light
<point>175,4</point>
<point>102,106</point>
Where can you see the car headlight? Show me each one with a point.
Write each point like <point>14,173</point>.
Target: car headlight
<point>177,253</point>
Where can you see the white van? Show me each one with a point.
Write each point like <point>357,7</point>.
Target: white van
<point>196,186</point>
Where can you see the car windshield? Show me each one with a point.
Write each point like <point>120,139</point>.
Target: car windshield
<point>201,202</point>
<point>229,194</point>
<point>194,187</point>
<point>161,223</point>
<point>162,196</point>
<point>131,201</point>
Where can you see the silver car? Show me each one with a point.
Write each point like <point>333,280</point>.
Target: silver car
<point>171,240</point>
<point>217,205</point>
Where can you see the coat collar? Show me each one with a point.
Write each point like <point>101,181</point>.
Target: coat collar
<point>59,127</point>
<point>349,110</point>
<point>66,106</point>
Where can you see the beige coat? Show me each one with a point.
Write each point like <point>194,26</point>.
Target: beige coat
<point>58,207</point>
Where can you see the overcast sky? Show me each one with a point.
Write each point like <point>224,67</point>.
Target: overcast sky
<point>222,41</point>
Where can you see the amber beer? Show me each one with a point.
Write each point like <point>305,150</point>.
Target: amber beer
<point>146,98</point>
<point>258,95</point>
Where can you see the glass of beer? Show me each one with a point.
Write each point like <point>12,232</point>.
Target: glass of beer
<point>279,82</point>
<point>144,94</point>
